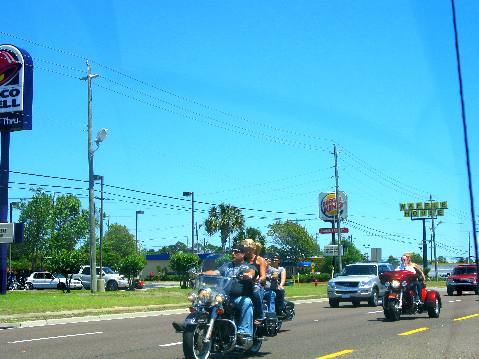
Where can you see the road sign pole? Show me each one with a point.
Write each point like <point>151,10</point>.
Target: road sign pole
<point>4,172</point>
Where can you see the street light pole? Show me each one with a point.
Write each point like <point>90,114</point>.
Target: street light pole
<point>136,227</point>
<point>192,194</point>
<point>91,183</point>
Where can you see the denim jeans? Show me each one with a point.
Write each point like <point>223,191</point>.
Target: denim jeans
<point>258,295</point>
<point>244,306</point>
<point>270,296</point>
<point>280,298</point>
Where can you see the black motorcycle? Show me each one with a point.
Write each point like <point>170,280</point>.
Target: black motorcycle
<point>211,325</point>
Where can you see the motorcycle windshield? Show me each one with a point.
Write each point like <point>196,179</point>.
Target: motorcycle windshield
<point>215,282</point>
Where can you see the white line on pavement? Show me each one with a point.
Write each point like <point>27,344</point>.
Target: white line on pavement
<point>377,311</point>
<point>57,337</point>
<point>170,344</point>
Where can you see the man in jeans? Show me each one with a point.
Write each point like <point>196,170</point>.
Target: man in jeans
<point>242,300</point>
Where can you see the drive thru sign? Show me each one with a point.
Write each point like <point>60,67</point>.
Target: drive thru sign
<point>7,232</point>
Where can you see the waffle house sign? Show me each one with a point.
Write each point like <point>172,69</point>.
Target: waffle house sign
<point>423,209</point>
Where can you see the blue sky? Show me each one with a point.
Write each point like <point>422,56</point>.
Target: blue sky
<point>241,102</point>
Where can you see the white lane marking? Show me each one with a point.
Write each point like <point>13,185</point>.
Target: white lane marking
<point>458,300</point>
<point>451,301</point>
<point>57,337</point>
<point>170,344</point>
<point>377,311</point>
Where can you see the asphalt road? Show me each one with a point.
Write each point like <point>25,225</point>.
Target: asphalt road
<point>316,332</point>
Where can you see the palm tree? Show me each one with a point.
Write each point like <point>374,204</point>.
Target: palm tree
<point>226,219</point>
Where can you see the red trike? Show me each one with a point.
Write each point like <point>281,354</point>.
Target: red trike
<point>400,293</point>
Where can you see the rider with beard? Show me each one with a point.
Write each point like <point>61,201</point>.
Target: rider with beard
<point>242,291</point>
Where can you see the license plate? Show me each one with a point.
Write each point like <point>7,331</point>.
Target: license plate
<point>345,295</point>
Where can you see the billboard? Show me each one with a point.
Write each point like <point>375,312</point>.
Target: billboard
<point>327,206</point>
<point>16,89</point>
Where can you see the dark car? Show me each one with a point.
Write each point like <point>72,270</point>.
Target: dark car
<point>463,278</point>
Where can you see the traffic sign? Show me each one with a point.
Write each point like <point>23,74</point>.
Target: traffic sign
<point>332,250</point>
<point>332,230</point>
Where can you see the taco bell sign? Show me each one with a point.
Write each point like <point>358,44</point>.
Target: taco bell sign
<point>16,89</point>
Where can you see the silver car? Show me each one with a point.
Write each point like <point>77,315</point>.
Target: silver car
<point>358,282</point>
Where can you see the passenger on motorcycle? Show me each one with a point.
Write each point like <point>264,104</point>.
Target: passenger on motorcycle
<point>252,257</point>
<point>275,280</point>
<point>243,304</point>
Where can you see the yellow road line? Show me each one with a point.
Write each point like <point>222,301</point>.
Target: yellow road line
<point>467,317</point>
<point>414,331</point>
<point>337,354</point>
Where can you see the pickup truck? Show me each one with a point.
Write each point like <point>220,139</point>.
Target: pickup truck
<point>358,282</point>
<point>113,280</point>
<point>463,278</point>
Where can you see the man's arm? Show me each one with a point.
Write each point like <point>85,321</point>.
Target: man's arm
<point>211,272</point>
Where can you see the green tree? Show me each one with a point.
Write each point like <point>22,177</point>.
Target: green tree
<point>181,263</point>
<point>66,262</point>
<point>118,243</point>
<point>225,219</point>
<point>253,233</point>
<point>36,214</point>
<point>351,254</point>
<point>70,223</point>
<point>293,241</point>
<point>173,248</point>
<point>393,260</point>
<point>131,266</point>
<point>51,224</point>
<point>416,258</point>
<point>441,259</point>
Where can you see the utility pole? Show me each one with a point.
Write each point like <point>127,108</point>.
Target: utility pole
<point>91,183</point>
<point>338,217</point>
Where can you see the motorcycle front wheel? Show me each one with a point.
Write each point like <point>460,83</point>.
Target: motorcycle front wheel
<point>392,311</point>
<point>194,346</point>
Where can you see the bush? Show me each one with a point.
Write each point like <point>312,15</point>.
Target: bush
<point>310,277</point>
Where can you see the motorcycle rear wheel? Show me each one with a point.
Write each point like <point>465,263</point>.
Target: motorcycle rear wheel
<point>434,310</point>
<point>193,345</point>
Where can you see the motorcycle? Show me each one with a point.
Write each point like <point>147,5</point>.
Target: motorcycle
<point>211,325</point>
<point>399,296</point>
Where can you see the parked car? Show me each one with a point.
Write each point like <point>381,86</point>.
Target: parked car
<point>47,280</point>
<point>463,278</point>
<point>113,280</point>
<point>358,282</point>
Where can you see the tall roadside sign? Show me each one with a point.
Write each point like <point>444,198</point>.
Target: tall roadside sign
<point>16,94</point>
<point>423,211</point>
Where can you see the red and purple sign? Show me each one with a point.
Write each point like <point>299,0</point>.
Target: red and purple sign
<point>16,89</point>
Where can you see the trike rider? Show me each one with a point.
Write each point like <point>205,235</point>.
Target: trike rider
<point>242,292</point>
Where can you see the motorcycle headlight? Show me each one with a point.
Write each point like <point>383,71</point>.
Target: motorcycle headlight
<point>219,298</point>
<point>192,297</point>
<point>395,284</point>
<point>204,295</point>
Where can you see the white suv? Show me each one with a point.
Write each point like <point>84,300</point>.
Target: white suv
<point>358,282</point>
<point>113,280</point>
